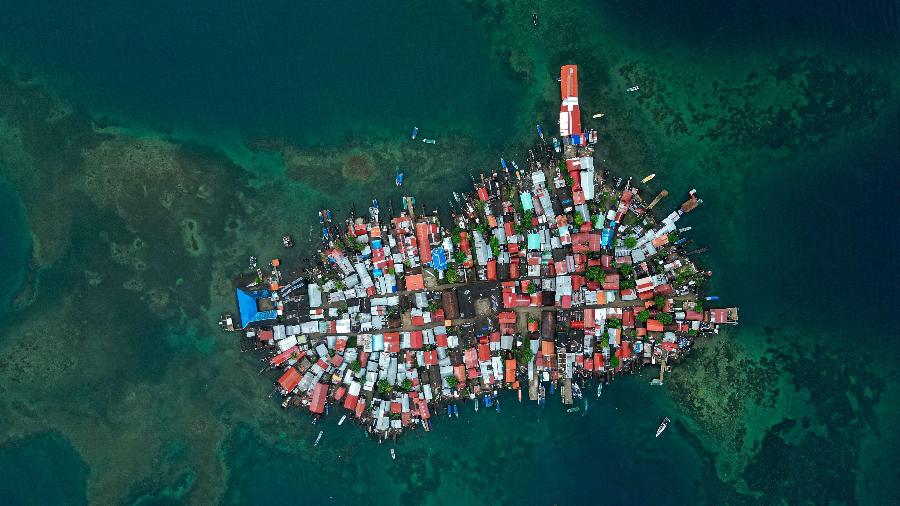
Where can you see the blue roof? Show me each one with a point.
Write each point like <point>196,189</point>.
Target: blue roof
<point>439,259</point>
<point>247,306</point>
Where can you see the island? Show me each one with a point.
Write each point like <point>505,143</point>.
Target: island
<point>542,279</point>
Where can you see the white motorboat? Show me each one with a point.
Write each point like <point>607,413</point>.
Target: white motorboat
<point>662,426</point>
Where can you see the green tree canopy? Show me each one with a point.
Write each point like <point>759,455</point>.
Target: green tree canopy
<point>595,274</point>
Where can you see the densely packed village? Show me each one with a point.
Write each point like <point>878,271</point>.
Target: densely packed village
<point>549,276</point>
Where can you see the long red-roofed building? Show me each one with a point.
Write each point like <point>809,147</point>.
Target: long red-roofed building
<point>569,112</point>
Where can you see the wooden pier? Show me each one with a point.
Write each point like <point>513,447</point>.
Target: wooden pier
<point>663,194</point>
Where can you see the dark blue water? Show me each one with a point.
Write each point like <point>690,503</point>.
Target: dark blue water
<point>305,71</point>
<point>43,469</point>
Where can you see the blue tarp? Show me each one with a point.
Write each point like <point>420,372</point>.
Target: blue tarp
<point>247,306</point>
<point>439,259</point>
<point>604,238</point>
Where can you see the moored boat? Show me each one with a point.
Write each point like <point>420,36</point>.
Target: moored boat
<point>456,410</point>
<point>662,426</point>
<point>319,438</point>
<point>399,179</point>
<point>540,132</point>
<point>598,115</point>
<point>342,419</point>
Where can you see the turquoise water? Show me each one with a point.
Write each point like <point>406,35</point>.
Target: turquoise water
<point>782,116</point>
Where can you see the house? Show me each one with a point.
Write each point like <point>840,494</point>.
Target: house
<point>317,402</point>
<point>289,380</point>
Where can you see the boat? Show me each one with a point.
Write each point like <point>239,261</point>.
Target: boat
<point>534,18</point>
<point>585,407</point>
<point>633,89</point>
<point>540,132</point>
<point>325,234</point>
<point>552,388</point>
<point>662,426</point>
<point>573,410</point>
<point>341,421</point>
<point>713,297</point>
<point>498,405</point>
<point>681,241</point>
<point>252,262</point>
<point>476,404</point>
<point>520,395</point>
<point>287,240</point>
<point>415,133</point>
<point>685,229</point>
<point>648,178</point>
<point>556,146</point>
<point>429,141</point>
<point>456,410</point>
<point>393,454</point>
<point>399,179</point>
<point>598,115</point>
<point>515,165</point>
<point>449,410</point>
<point>599,390</point>
<point>319,438</point>
<point>656,382</point>
<point>576,391</point>
<point>503,163</point>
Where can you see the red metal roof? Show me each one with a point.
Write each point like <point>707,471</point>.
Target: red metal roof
<point>484,353</point>
<point>289,380</point>
<point>392,342</point>
<point>424,242</point>
<point>283,356</point>
<point>492,270</point>
<point>415,339</point>
<point>415,281</point>
<point>654,326</point>
<point>568,75</point>
<point>350,402</point>
<point>507,317</point>
<point>317,404</point>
